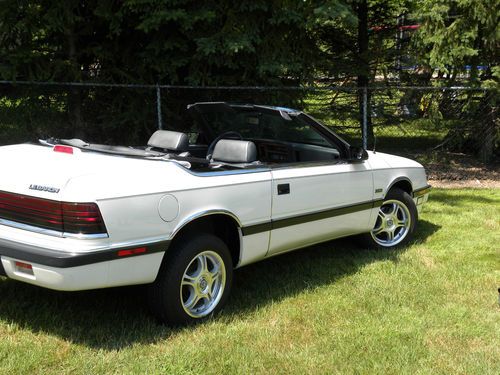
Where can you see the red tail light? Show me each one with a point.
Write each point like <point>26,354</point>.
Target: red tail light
<point>82,218</point>
<point>73,218</point>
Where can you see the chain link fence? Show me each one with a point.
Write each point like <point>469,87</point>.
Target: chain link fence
<point>399,120</point>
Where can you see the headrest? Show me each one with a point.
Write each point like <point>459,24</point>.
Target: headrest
<point>166,139</point>
<point>235,151</point>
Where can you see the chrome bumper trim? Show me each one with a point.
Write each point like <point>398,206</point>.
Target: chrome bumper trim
<point>53,233</point>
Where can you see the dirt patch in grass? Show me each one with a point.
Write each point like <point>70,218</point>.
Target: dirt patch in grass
<point>426,258</point>
<point>461,184</point>
<point>455,170</point>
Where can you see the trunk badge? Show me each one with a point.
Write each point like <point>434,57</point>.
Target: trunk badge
<point>48,189</point>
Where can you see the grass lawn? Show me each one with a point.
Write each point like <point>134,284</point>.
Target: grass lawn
<point>332,308</point>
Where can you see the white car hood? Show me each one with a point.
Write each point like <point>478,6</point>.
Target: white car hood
<point>387,160</point>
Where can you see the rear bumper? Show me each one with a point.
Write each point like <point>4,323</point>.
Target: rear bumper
<point>80,271</point>
<point>67,259</point>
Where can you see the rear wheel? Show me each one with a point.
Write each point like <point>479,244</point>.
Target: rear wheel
<point>194,281</point>
<point>396,221</point>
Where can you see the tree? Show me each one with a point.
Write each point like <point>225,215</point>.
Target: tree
<point>460,36</point>
<point>150,41</point>
<point>45,40</point>
<point>346,32</point>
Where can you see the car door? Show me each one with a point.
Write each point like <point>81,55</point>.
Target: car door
<point>314,202</point>
<point>317,192</point>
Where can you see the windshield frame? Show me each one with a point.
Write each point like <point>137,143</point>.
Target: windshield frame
<point>197,110</point>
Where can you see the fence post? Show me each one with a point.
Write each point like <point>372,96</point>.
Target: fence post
<point>365,118</point>
<point>158,106</point>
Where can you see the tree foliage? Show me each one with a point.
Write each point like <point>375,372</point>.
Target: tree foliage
<point>168,41</point>
<point>459,35</point>
<point>245,42</point>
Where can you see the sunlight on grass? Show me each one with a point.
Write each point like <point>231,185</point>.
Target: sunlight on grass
<point>332,308</point>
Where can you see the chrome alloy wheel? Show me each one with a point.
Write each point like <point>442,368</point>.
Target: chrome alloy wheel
<point>202,284</point>
<point>393,223</point>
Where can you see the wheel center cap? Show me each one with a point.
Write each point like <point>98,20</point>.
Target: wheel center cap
<point>390,222</point>
<point>203,283</point>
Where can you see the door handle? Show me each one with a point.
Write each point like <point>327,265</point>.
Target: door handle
<point>283,189</point>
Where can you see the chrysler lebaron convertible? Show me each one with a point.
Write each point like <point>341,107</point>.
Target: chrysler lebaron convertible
<point>245,183</point>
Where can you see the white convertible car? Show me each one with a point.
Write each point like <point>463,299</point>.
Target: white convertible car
<point>181,213</point>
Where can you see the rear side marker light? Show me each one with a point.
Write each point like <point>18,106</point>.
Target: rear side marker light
<point>124,253</point>
<point>63,149</point>
<point>24,268</point>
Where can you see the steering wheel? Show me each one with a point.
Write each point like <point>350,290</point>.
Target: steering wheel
<point>229,134</point>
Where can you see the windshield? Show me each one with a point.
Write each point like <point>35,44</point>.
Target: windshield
<point>254,124</point>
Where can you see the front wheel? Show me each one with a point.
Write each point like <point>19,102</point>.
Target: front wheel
<point>194,281</point>
<point>396,221</point>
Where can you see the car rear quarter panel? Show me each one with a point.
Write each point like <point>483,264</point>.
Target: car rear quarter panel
<point>136,217</point>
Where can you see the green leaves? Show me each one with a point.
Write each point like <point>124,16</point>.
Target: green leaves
<point>168,41</point>
<point>243,42</point>
<point>459,34</point>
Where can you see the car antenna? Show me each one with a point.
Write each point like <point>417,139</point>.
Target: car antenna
<point>374,142</point>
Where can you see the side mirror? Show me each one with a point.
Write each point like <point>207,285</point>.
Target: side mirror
<point>357,154</point>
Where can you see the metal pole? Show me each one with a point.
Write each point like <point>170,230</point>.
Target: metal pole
<point>158,106</point>
<point>365,118</point>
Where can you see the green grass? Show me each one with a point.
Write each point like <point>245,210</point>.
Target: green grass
<point>431,308</point>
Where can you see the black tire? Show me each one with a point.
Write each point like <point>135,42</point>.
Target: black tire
<point>407,207</point>
<point>165,296</point>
